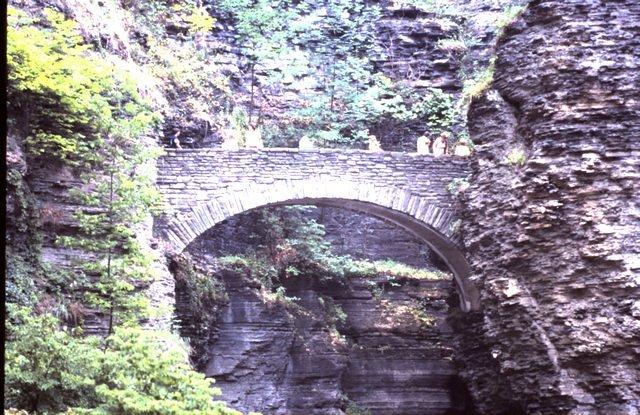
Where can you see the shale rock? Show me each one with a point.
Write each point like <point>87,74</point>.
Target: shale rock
<point>551,217</point>
<point>374,343</point>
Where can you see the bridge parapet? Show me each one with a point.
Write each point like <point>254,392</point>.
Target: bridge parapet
<point>198,174</point>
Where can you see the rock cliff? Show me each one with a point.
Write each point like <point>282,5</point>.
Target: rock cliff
<point>375,343</point>
<point>550,227</point>
<point>551,222</point>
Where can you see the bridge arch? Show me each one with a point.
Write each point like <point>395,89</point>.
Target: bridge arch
<point>420,216</point>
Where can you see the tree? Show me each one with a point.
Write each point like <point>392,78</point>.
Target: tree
<point>262,32</point>
<point>121,197</point>
<point>133,371</point>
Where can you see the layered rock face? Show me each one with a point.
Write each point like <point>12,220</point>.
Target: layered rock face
<point>551,217</point>
<point>378,344</point>
<point>350,233</point>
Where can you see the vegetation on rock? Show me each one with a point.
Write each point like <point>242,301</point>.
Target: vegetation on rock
<point>99,113</point>
<point>81,107</point>
<point>289,245</point>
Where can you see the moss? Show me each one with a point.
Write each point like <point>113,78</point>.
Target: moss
<point>480,82</point>
<point>393,269</point>
<point>516,157</point>
<point>508,16</point>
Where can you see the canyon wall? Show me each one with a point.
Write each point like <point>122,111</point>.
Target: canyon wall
<point>550,226</point>
<point>377,343</point>
<point>551,217</point>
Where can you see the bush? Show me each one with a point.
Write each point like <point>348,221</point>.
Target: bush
<point>134,371</point>
<point>46,368</point>
<point>70,100</point>
<point>480,82</point>
<point>516,157</point>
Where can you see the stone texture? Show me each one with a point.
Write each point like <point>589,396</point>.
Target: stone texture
<point>48,185</point>
<point>190,180</point>
<point>392,353</point>
<point>554,241</point>
<point>203,187</point>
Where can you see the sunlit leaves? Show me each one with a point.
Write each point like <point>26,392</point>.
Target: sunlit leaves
<point>71,97</point>
<point>134,371</point>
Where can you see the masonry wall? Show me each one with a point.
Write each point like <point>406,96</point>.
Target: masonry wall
<point>194,176</point>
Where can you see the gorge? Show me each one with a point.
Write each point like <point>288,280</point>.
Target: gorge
<point>337,279</point>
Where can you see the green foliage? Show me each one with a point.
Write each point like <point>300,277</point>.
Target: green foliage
<point>419,309</point>
<point>455,226</point>
<point>479,83</point>
<point>134,371</point>
<point>70,100</point>
<point>20,286</point>
<point>262,31</point>
<point>290,245</point>
<point>390,108</point>
<point>379,106</point>
<point>203,287</point>
<point>376,289</point>
<point>508,15</point>
<point>394,269</point>
<point>87,112</point>
<point>252,265</point>
<point>346,101</point>
<point>201,295</point>
<point>281,296</point>
<point>354,409</point>
<point>175,56</point>
<point>516,157</point>
<point>438,7</point>
<point>122,197</point>
<point>23,241</point>
<point>192,78</point>
<point>335,315</point>
<point>476,83</point>
<point>197,17</point>
<point>458,185</point>
<point>84,110</point>
<point>46,368</point>
<point>261,26</point>
<point>147,372</point>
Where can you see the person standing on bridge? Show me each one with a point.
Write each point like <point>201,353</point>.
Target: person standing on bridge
<point>440,145</point>
<point>174,141</point>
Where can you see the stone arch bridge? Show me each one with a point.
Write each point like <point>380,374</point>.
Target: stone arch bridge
<point>202,187</point>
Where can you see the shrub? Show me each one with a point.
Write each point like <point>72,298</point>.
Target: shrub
<point>394,269</point>
<point>71,100</point>
<point>479,83</point>
<point>134,371</point>
<point>458,185</point>
<point>516,157</point>
<point>47,368</point>
<point>508,15</point>
<point>354,409</point>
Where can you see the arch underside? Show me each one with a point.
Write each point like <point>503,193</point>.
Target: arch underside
<point>426,221</point>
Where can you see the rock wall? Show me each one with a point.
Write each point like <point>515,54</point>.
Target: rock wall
<point>377,343</point>
<point>350,233</point>
<point>551,217</point>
